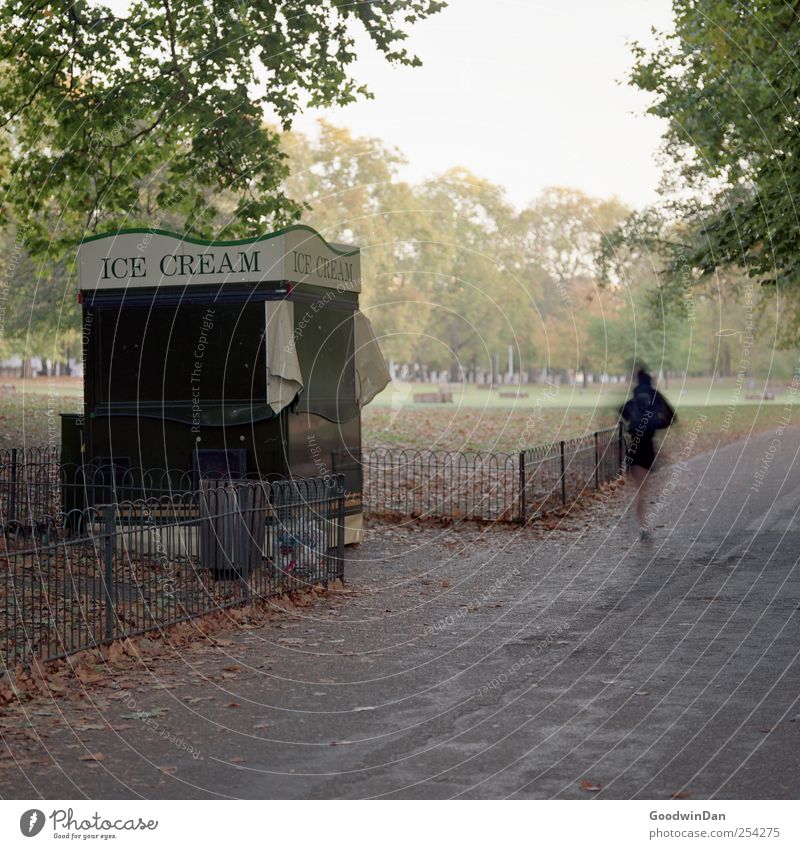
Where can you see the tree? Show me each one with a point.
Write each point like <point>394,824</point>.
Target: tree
<point>561,233</point>
<point>727,81</point>
<point>355,196</point>
<point>119,119</point>
<point>467,261</point>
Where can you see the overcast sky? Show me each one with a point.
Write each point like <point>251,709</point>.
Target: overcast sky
<point>527,93</point>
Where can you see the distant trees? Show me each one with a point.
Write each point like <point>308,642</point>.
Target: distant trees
<point>454,274</point>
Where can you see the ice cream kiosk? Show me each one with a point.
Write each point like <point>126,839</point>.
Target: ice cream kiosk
<point>246,358</point>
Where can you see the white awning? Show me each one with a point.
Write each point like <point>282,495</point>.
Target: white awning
<point>372,375</point>
<point>284,380</point>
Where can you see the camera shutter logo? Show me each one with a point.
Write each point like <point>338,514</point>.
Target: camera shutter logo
<point>31,822</point>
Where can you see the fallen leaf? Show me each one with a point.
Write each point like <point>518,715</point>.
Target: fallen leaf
<point>116,652</point>
<point>445,584</point>
<point>170,770</point>
<point>97,756</point>
<point>642,693</point>
<point>87,676</point>
<point>591,787</point>
<point>681,794</point>
<point>233,704</point>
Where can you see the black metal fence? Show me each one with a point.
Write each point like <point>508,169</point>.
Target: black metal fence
<point>79,579</point>
<point>90,554</point>
<point>493,487</point>
<point>29,483</point>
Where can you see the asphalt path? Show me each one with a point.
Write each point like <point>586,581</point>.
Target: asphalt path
<point>569,662</point>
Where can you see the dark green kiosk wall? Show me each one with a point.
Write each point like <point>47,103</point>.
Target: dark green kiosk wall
<point>169,373</point>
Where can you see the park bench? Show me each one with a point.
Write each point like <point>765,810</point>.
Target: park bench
<point>433,397</point>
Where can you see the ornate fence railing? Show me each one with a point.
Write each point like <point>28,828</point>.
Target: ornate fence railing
<point>492,487</point>
<point>78,579</point>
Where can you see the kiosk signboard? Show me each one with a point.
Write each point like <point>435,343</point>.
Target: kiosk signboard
<point>154,258</point>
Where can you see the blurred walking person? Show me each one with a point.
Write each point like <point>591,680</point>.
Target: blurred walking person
<point>645,412</point>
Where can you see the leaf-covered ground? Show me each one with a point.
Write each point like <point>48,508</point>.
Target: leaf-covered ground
<point>30,419</point>
<point>469,429</point>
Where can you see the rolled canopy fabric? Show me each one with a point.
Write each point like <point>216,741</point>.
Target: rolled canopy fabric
<point>372,375</point>
<point>284,379</point>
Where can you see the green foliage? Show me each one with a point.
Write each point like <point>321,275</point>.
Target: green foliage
<point>157,114</point>
<point>727,81</point>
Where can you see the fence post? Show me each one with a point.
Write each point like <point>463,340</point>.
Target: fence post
<point>563,476</point>
<point>12,496</point>
<point>243,509</point>
<point>522,505</point>
<point>109,542</point>
<point>620,449</point>
<point>340,523</point>
<point>596,461</point>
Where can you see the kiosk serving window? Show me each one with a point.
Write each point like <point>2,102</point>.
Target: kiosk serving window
<point>171,353</point>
